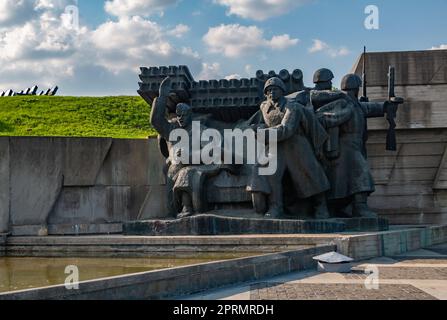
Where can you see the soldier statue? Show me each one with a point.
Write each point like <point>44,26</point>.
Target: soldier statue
<point>185,182</point>
<point>300,139</point>
<point>347,166</point>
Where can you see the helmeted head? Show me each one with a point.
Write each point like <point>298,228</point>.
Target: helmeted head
<point>323,79</point>
<point>184,114</point>
<point>274,88</point>
<point>351,83</point>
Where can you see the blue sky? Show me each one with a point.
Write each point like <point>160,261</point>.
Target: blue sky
<point>216,38</point>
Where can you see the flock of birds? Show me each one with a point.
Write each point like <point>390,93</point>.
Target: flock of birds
<point>30,92</point>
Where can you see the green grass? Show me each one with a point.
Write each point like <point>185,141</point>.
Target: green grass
<point>116,117</point>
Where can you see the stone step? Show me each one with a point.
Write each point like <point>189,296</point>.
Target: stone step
<point>223,225</point>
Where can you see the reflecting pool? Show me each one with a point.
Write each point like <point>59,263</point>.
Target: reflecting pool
<point>26,273</point>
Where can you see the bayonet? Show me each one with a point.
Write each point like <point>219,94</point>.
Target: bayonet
<point>364,97</point>
<point>391,110</point>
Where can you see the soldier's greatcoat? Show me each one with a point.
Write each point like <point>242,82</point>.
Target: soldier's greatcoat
<point>181,177</point>
<point>300,136</point>
<point>349,174</point>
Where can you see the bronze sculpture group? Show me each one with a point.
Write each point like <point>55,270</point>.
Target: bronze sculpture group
<point>321,153</point>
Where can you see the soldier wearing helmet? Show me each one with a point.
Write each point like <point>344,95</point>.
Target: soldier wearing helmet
<point>351,82</point>
<point>299,135</point>
<point>349,173</point>
<point>323,79</point>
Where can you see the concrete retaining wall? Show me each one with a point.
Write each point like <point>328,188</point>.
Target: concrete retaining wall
<point>2,244</point>
<point>391,243</point>
<point>76,186</point>
<point>411,184</point>
<point>421,78</point>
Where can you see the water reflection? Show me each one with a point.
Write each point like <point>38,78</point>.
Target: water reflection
<point>25,273</point>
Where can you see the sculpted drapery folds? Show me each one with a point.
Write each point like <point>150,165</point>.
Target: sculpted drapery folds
<point>319,150</point>
<point>185,182</point>
<point>300,137</point>
<point>347,167</point>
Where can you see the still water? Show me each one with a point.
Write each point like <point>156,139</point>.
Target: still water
<point>26,273</point>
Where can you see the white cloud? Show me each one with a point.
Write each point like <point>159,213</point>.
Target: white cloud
<point>235,40</point>
<point>210,71</point>
<point>249,70</point>
<point>179,31</point>
<point>321,46</point>
<point>103,60</point>
<point>260,9</point>
<point>116,51</point>
<point>15,11</point>
<point>233,76</point>
<point>441,47</point>
<point>145,8</point>
<point>282,42</point>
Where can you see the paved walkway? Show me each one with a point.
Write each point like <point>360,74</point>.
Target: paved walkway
<point>419,275</point>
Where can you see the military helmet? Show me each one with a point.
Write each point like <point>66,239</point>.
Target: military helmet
<point>323,75</point>
<point>276,82</point>
<point>351,82</point>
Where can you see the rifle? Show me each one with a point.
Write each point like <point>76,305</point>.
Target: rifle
<point>391,111</point>
<point>364,97</point>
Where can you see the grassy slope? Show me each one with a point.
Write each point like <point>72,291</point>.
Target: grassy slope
<point>117,117</point>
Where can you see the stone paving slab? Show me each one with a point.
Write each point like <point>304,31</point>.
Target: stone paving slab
<point>406,273</point>
<point>402,278</point>
<point>424,262</point>
<point>280,291</point>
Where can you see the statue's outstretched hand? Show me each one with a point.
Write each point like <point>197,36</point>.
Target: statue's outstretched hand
<point>165,87</point>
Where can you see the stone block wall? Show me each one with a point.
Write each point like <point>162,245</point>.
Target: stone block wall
<point>75,185</point>
<point>411,183</point>
<point>87,186</point>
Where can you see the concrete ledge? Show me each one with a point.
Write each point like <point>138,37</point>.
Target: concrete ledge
<point>356,245</point>
<point>38,230</point>
<point>391,243</point>
<point>365,224</point>
<point>174,282</point>
<point>3,244</point>
<point>85,229</point>
<point>136,246</point>
<point>220,225</point>
<point>67,229</point>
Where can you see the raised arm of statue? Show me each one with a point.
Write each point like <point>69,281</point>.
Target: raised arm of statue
<point>289,124</point>
<point>158,114</point>
<point>374,109</point>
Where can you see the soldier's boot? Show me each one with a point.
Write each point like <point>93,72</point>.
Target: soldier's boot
<point>188,209</point>
<point>275,202</point>
<point>321,207</point>
<point>275,212</point>
<point>187,212</point>
<point>360,207</point>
